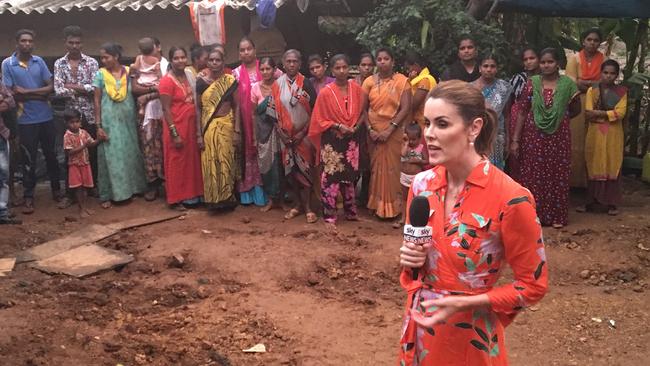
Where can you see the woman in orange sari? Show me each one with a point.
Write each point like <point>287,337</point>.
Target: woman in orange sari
<point>456,312</point>
<point>294,97</point>
<point>584,69</point>
<point>389,100</point>
<point>334,130</point>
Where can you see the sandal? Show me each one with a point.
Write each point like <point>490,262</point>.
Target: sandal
<point>291,214</point>
<point>311,217</point>
<point>151,195</point>
<point>106,205</point>
<point>612,211</point>
<point>581,209</point>
<point>28,208</point>
<point>178,207</point>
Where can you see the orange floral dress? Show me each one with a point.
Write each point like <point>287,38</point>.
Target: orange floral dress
<point>492,223</point>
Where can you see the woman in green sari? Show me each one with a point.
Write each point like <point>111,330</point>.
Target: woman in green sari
<point>220,128</point>
<point>120,165</point>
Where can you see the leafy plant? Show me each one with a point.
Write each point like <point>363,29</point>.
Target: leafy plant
<point>431,28</point>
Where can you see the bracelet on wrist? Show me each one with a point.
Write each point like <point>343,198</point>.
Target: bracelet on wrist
<point>394,124</point>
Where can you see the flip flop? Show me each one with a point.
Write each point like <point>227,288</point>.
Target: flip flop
<point>150,196</point>
<point>291,214</point>
<point>28,208</point>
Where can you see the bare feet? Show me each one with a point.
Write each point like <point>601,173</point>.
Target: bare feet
<point>83,214</point>
<point>331,226</point>
<point>291,214</point>
<point>268,207</point>
<point>311,217</point>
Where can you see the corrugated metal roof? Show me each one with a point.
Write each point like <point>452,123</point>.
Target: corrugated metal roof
<point>41,6</point>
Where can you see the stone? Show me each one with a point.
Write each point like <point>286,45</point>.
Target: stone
<point>246,220</point>
<point>111,346</point>
<point>585,274</point>
<point>177,261</point>
<point>313,280</point>
<point>637,288</point>
<point>202,293</point>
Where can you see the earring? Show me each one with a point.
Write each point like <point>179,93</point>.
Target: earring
<point>471,143</point>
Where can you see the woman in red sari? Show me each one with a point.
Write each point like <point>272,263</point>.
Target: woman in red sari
<point>182,137</point>
<point>456,313</point>
<point>334,130</point>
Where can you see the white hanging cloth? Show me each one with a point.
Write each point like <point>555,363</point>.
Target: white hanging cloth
<point>208,21</point>
<point>302,5</point>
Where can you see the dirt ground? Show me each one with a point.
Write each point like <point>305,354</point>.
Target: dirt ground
<point>312,297</point>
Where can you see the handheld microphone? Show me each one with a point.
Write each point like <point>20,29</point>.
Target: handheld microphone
<point>417,231</point>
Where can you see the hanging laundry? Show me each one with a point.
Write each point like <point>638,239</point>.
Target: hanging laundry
<point>266,11</point>
<point>208,22</point>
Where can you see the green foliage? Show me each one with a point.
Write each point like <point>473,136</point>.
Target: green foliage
<point>431,28</point>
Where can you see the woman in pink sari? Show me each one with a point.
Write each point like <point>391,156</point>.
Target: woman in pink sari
<point>250,183</point>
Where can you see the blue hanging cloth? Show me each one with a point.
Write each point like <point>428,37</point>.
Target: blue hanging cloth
<point>266,12</point>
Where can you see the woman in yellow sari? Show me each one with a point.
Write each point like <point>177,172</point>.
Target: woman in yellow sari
<point>584,69</point>
<point>220,129</point>
<point>605,106</point>
<point>389,99</point>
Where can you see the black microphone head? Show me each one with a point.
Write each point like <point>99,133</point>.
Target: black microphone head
<point>419,211</point>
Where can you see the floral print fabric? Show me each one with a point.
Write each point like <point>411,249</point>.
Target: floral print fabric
<point>470,249</point>
<point>340,159</point>
<point>545,161</point>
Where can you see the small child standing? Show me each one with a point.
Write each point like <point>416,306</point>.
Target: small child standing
<point>415,158</point>
<point>76,142</point>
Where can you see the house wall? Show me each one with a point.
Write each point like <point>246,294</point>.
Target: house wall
<point>171,26</point>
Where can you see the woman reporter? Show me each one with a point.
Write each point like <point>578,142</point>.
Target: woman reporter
<point>455,312</point>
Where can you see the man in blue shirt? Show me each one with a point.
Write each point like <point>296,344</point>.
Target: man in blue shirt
<point>31,82</point>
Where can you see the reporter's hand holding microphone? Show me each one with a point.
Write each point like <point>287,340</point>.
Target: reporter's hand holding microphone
<point>417,236</point>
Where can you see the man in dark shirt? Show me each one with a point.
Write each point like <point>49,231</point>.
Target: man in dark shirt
<point>28,77</point>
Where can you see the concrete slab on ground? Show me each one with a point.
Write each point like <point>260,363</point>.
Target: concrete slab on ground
<point>83,261</point>
<point>6,265</point>
<point>88,235</point>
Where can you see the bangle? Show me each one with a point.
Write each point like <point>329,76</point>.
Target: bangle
<point>172,130</point>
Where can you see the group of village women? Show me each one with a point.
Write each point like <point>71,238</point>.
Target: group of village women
<point>254,134</point>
